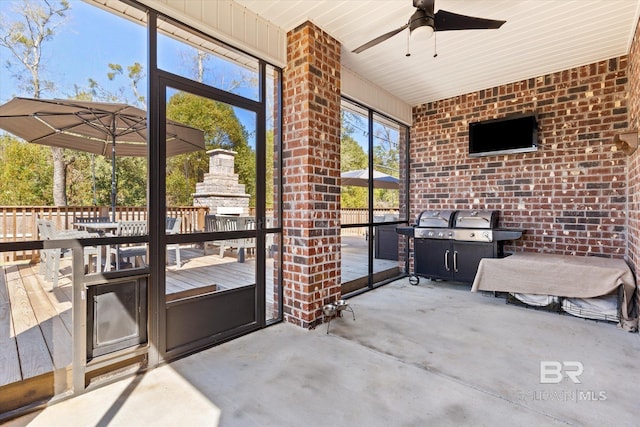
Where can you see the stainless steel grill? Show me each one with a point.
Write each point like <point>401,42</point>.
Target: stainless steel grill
<point>449,244</point>
<point>475,226</point>
<point>476,219</point>
<point>434,225</point>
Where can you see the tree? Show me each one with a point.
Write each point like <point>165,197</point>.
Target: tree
<point>35,24</point>
<point>135,75</point>
<point>25,173</point>
<point>352,157</point>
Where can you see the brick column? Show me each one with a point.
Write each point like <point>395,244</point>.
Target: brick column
<point>311,171</point>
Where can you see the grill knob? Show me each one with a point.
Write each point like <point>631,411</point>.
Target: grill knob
<point>430,234</point>
<point>440,234</point>
<point>472,234</point>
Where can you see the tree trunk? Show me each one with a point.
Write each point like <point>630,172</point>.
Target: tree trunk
<point>59,177</point>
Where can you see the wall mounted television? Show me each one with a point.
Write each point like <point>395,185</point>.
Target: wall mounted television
<point>517,133</point>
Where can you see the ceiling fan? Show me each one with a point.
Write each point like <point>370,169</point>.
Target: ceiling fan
<point>425,20</point>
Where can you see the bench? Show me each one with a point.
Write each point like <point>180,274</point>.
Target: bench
<point>222,223</point>
<point>564,276</point>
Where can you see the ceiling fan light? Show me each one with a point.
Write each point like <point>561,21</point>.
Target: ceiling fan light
<point>423,32</point>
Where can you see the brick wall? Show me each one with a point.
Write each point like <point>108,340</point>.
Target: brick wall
<point>633,235</point>
<point>570,195</point>
<point>311,169</point>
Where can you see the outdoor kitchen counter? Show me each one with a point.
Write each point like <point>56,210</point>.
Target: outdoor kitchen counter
<point>560,275</point>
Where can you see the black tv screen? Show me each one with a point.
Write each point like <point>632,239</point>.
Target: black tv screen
<point>510,134</point>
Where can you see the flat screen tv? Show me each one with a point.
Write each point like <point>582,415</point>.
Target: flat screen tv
<point>511,134</point>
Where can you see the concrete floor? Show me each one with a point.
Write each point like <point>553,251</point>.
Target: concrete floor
<point>432,354</point>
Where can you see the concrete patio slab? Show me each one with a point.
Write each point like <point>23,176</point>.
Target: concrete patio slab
<point>432,354</point>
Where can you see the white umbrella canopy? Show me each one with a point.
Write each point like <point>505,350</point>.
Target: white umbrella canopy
<point>109,129</point>
<point>360,178</point>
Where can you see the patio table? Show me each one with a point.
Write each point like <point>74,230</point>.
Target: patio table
<point>99,227</point>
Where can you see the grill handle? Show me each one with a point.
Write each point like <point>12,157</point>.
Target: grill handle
<point>455,261</point>
<point>446,260</point>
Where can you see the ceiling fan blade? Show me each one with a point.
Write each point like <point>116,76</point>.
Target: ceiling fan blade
<point>379,39</point>
<point>446,21</point>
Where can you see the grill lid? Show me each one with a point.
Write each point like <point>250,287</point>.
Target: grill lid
<point>476,219</point>
<point>436,219</point>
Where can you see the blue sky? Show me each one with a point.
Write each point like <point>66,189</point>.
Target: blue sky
<point>80,50</point>
<point>85,45</point>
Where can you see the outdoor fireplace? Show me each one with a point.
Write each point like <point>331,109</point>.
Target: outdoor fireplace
<point>220,189</point>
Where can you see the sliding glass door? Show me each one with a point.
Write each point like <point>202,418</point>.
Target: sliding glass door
<point>372,147</point>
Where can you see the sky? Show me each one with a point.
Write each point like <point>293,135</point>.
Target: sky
<point>66,60</point>
<point>83,47</point>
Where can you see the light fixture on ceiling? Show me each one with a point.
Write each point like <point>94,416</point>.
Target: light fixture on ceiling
<point>420,29</point>
<point>422,33</point>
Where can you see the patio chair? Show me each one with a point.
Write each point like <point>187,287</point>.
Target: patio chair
<point>136,251</point>
<point>173,227</point>
<point>50,258</point>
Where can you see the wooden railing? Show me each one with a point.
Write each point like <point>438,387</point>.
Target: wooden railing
<point>18,223</point>
<point>361,216</point>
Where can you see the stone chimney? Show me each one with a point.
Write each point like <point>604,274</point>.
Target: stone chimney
<point>220,189</point>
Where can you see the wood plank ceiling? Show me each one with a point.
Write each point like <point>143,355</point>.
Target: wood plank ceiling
<point>539,37</point>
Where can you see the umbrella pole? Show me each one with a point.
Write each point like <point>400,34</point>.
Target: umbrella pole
<point>93,179</point>
<point>113,174</point>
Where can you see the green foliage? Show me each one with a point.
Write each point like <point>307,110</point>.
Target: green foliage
<point>272,180</point>
<point>352,155</point>
<point>354,197</point>
<point>26,173</point>
<point>132,181</point>
<point>79,184</point>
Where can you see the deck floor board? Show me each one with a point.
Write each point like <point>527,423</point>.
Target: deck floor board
<point>4,292</point>
<point>32,347</point>
<point>54,330</point>
<point>9,361</point>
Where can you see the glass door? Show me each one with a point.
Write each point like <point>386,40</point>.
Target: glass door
<point>217,202</point>
<point>371,190</point>
<point>214,259</point>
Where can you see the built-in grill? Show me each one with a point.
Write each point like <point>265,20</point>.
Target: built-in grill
<point>450,244</point>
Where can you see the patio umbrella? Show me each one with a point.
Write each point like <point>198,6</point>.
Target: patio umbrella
<point>109,129</point>
<point>360,178</point>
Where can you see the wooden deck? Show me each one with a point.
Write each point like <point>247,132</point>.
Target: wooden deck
<point>36,324</point>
